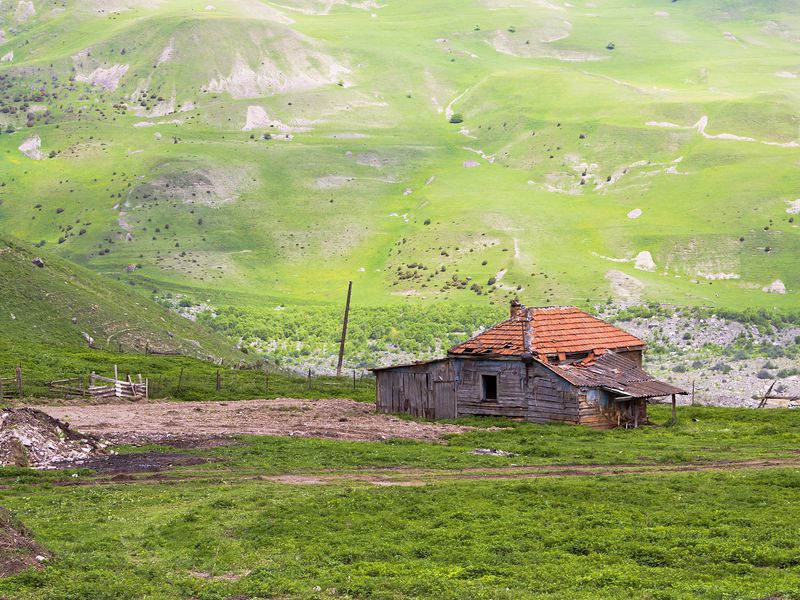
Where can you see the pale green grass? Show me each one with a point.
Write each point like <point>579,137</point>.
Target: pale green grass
<point>286,240</point>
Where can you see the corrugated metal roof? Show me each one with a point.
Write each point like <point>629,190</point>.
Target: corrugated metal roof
<point>615,374</point>
<point>551,330</point>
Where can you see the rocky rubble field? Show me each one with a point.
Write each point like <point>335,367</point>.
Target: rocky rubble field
<point>729,363</point>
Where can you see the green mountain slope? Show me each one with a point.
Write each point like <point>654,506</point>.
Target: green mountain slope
<point>270,152</point>
<point>63,305</point>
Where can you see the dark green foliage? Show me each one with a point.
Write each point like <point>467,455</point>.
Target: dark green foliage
<point>303,331</point>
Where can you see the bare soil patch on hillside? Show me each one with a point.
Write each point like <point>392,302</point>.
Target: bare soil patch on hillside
<point>18,549</point>
<point>168,422</point>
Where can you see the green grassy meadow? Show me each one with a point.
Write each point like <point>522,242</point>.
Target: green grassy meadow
<point>373,180</point>
<point>226,530</point>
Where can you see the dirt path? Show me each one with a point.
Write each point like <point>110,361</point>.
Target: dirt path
<point>154,473</point>
<point>164,422</point>
<point>412,477</point>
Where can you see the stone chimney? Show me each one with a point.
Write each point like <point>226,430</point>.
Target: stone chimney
<point>517,310</point>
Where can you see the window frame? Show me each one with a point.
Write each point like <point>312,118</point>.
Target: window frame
<point>485,389</point>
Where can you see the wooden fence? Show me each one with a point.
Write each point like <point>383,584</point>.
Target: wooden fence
<point>105,387</point>
<point>67,387</point>
<point>186,384</point>
<point>11,387</point>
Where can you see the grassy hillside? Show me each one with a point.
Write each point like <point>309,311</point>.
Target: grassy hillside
<point>60,306</point>
<point>263,154</point>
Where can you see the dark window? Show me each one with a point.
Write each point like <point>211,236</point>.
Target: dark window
<point>489,387</point>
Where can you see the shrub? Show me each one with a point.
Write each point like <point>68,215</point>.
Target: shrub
<point>457,118</point>
<point>722,368</point>
<point>764,374</point>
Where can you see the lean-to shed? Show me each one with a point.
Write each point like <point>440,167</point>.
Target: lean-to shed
<point>542,364</point>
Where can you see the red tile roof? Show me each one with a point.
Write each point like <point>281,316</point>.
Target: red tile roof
<point>551,330</point>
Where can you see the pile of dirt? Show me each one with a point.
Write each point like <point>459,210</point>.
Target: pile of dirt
<point>31,438</point>
<point>18,550</point>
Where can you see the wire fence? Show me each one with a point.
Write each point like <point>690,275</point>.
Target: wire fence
<point>189,384</point>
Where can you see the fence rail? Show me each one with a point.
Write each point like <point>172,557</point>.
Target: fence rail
<point>72,386</point>
<point>189,384</point>
<point>11,387</point>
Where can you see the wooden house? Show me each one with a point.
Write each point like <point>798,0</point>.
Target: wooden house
<point>542,364</point>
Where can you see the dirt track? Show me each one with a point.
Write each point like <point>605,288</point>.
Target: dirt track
<point>180,422</point>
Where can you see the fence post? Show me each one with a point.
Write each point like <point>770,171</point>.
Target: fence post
<point>180,379</point>
<point>1,389</point>
<point>309,378</point>
<point>674,411</point>
<point>266,382</point>
<point>19,382</point>
<point>354,380</point>
<point>219,383</point>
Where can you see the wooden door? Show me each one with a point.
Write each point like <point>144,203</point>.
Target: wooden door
<point>444,400</point>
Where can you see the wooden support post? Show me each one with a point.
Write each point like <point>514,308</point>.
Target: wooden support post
<point>354,380</point>
<point>219,382</point>
<point>266,382</point>
<point>147,347</point>
<point>309,379</point>
<point>116,373</point>
<point>180,379</point>
<point>133,387</point>
<point>344,329</point>
<point>19,383</point>
<point>1,389</point>
<point>674,411</point>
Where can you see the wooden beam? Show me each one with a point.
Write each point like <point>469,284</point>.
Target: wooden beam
<point>344,329</point>
<point>674,411</point>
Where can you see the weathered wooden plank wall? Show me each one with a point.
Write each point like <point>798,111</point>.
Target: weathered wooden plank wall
<point>512,389</point>
<point>425,390</point>
<point>453,388</point>
<point>552,399</point>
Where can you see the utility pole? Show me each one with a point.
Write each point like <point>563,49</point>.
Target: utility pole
<point>344,329</point>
